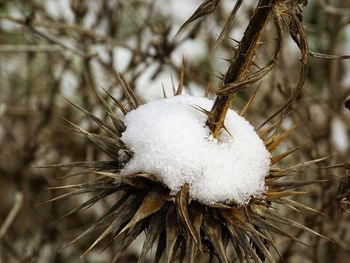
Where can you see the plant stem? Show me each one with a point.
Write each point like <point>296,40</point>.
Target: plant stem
<point>241,64</point>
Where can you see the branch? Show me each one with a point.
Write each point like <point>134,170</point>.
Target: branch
<point>239,69</point>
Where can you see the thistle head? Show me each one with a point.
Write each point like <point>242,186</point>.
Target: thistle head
<point>194,196</point>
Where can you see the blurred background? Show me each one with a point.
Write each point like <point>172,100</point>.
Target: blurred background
<point>51,50</point>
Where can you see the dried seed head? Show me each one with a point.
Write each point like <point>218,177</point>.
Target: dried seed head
<point>177,146</point>
<point>180,227</point>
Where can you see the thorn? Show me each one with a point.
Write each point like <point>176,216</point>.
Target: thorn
<point>164,93</point>
<point>205,8</point>
<point>181,80</point>
<point>207,90</point>
<point>173,84</point>
<point>206,112</point>
<point>224,127</point>
<point>234,40</point>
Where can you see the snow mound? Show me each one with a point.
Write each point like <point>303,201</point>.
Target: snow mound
<point>170,139</point>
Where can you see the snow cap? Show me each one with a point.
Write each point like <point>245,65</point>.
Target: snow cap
<point>170,139</point>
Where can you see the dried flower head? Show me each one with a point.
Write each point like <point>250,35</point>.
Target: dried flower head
<point>181,226</point>
<point>182,211</point>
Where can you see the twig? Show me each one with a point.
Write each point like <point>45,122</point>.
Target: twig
<point>88,33</point>
<point>333,10</point>
<point>12,215</point>
<point>229,21</point>
<point>301,40</point>
<point>30,48</point>
<point>326,56</point>
<point>57,41</point>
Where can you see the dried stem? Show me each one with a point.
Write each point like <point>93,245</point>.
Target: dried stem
<point>12,215</point>
<point>241,64</point>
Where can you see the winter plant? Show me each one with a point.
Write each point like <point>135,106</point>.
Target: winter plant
<point>193,174</point>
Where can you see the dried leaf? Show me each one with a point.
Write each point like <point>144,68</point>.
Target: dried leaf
<point>181,78</point>
<point>172,233</point>
<point>196,216</point>
<point>276,142</point>
<point>295,205</point>
<point>182,210</point>
<point>190,251</point>
<point>87,204</point>
<point>94,165</point>
<point>282,186</point>
<point>281,156</point>
<point>122,214</point>
<point>229,21</point>
<point>212,229</point>
<point>132,180</point>
<point>205,8</point>
<point>156,225</point>
<point>132,234</point>
<point>129,92</point>
<point>160,246</point>
<point>98,121</point>
<point>247,247</point>
<point>152,203</point>
<point>283,220</point>
<point>262,247</point>
<point>277,194</point>
<point>108,145</point>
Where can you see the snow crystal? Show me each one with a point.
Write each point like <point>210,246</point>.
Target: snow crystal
<point>170,139</point>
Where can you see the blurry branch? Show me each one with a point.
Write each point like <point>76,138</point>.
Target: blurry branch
<point>326,99</point>
<point>95,37</point>
<point>30,48</point>
<point>325,56</point>
<point>109,67</point>
<point>28,22</point>
<point>33,26</point>
<point>71,27</point>
<point>12,215</point>
<point>56,41</point>
<point>17,111</point>
<point>333,10</point>
<point>85,32</point>
<point>345,165</point>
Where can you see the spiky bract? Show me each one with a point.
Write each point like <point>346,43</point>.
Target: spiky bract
<point>179,227</point>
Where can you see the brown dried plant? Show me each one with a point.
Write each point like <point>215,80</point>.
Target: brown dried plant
<point>181,228</point>
<point>123,208</point>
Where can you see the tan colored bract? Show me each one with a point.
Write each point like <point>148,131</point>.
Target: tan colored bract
<point>181,228</point>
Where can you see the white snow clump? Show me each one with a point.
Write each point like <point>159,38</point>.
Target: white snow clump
<point>170,139</point>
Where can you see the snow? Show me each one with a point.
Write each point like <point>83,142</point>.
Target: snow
<point>339,135</point>
<point>170,139</point>
<point>59,9</point>
<point>149,87</point>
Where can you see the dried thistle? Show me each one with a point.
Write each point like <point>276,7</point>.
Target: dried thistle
<point>179,226</point>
